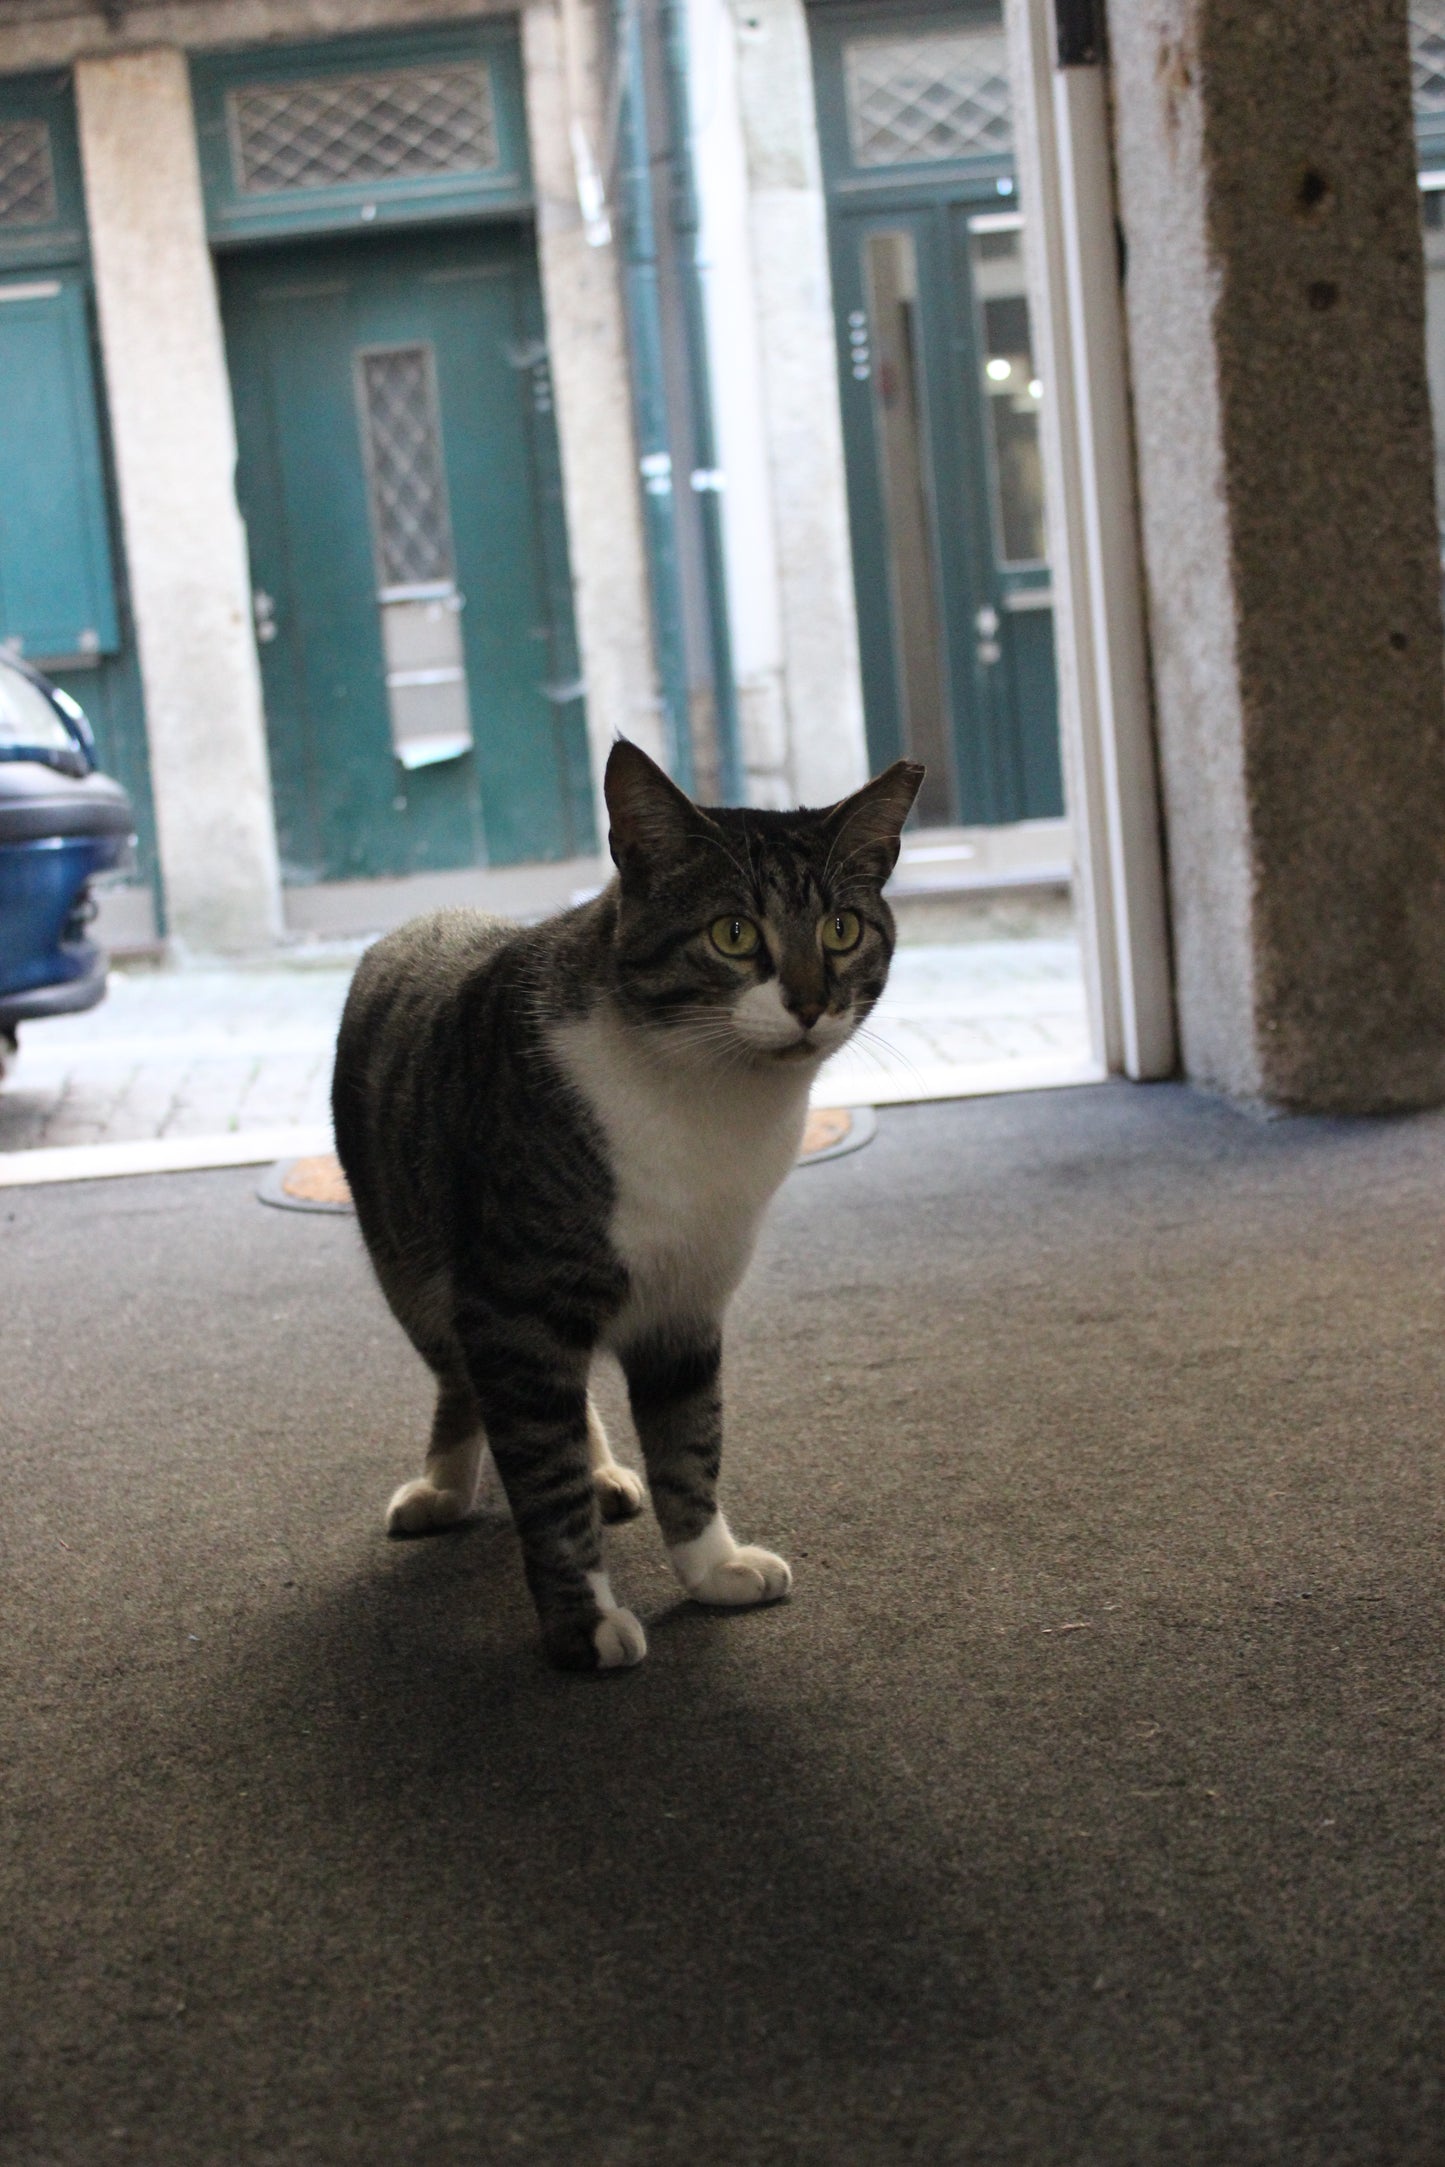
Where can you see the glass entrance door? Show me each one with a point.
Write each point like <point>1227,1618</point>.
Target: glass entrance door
<point>941,404</point>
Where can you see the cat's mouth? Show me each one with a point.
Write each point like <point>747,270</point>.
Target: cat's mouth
<point>801,1049</point>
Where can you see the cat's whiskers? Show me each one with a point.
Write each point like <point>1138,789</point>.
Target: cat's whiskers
<point>715,1034</point>
<point>884,1051</point>
<point>857,851</point>
<point>707,1031</point>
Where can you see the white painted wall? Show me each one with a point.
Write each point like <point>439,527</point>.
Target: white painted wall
<point>792,308</point>
<point>175,453</point>
<point>735,367</point>
<point>587,341</point>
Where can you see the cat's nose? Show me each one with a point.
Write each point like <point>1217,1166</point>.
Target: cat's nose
<point>807,1012</point>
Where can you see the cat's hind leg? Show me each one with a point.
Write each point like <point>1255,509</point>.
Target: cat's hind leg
<point>447,1492</point>
<point>620,1494</point>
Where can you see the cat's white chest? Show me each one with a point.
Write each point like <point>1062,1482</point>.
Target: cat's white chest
<point>695,1160</point>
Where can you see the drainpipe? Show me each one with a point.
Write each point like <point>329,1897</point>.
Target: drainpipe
<point>707,477</point>
<point>649,400</point>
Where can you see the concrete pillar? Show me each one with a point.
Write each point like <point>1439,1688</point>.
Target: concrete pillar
<point>587,342</point>
<point>827,750</point>
<point>175,454</point>
<point>1274,294</point>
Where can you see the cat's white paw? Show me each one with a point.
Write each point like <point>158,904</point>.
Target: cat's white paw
<point>749,1576</point>
<point>620,1493</point>
<point>419,1507</point>
<point>619,1640</point>
<point>714,1568</point>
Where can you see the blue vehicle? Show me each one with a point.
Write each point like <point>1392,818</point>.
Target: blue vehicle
<point>62,823</point>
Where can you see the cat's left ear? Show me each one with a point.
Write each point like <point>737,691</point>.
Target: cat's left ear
<point>870,823</point>
<point>650,817</point>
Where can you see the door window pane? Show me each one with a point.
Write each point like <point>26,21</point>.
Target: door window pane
<point>1432,206</point>
<point>402,435</point>
<point>1012,391</point>
<point>421,637</point>
<point>27,176</point>
<point>891,273</point>
<point>1427,56</point>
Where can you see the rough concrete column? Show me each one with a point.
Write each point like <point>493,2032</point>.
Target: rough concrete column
<point>803,417</point>
<point>587,342</point>
<point>175,453</point>
<point>1275,299</point>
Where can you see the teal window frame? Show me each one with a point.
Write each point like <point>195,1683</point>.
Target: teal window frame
<point>61,239</point>
<point>234,215</point>
<point>834,25</point>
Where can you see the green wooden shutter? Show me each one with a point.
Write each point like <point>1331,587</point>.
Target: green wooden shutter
<point>57,586</point>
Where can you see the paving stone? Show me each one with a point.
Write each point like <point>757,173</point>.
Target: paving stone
<point>185,1053</point>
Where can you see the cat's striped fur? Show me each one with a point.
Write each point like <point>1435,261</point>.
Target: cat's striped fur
<point>562,1138</point>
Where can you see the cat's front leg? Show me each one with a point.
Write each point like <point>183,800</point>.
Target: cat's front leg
<point>533,1397</point>
<point>676,1397</point>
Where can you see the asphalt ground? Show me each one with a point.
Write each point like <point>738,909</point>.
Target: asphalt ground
<point>1082,1805</point>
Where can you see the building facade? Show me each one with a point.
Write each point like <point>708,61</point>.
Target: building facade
<point>398,402</point>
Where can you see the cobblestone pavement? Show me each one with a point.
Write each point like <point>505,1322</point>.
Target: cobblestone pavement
<point>180,1053</point>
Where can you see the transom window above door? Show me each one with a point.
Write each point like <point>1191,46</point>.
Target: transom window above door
<point>934,96</point>
<point>397,124</point>
<point>362,131</point>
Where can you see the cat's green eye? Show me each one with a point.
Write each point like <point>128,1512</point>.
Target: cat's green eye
<point>842,931</point>
<point>734,936</point>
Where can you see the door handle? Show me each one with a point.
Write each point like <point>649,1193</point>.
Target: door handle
<point>263,610</point>
<point>986,625</point>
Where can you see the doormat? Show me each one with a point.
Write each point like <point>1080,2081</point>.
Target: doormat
<point>318,1184</point>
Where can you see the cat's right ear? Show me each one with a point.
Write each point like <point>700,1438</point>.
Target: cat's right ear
<point>651,818</point>
<point>870,823</point>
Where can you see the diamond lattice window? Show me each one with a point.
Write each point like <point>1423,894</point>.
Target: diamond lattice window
<point>409,518</point>
<point>912,101</point>
<point>1427,56</point>
<point>333,130</point>
<point>27,177</point>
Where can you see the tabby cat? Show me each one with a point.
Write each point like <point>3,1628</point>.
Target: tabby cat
<point>562,1138</point>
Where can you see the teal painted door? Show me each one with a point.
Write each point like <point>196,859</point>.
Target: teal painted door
<point>945,490</point>
<point>57,588</point>
<point>399,481</point>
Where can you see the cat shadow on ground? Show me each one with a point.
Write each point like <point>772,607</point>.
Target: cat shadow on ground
<point>614,1886</point>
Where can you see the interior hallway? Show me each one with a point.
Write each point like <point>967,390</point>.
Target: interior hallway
<point>1081,1806</point>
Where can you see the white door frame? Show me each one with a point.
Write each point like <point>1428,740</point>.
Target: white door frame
<point>1105,714</point>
